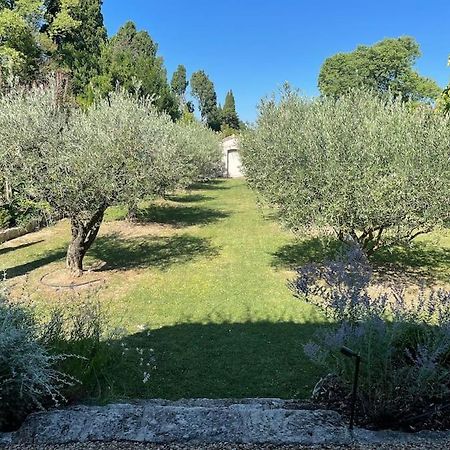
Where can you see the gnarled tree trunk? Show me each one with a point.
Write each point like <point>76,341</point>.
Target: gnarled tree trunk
<point>84,233</point>
<point>132,215</point>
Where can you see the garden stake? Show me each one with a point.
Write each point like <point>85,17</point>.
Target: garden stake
<point>351,354</point>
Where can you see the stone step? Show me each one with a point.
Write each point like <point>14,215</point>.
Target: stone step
<point>252,421</point>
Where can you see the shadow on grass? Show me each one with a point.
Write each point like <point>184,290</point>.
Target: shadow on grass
<point>189,198</point>
<point>298,253</point>
<point>142,252</point>
<point>419,263</point>
<point>210,185</point>
<point>130,253</point>
<point>47,258</point>
<point>225,360</point>
<point>5,250</point>
<point>179,216</point>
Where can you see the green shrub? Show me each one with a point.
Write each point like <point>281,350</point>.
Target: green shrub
<point>372,170</point>
<point>103,360</point>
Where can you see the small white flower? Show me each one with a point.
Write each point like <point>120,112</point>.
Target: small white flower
<point>146,377</point>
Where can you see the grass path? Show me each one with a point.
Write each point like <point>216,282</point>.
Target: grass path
<point>221,320</point>
<point>200,285</point>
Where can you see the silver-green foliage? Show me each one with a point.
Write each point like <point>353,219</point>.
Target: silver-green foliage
<point>373,169</point>
<point>81,162</point>
<point>28,376</point>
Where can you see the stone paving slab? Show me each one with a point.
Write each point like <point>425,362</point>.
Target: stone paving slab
<point>195,422</point>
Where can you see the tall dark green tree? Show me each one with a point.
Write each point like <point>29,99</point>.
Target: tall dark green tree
<point>179,81</point>
<point>384,66</point>
<point>130,60</point>
<point>202,89</point>
<point>229,115</point>
<point>82,49</point>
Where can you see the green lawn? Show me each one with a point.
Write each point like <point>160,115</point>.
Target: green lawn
<point>202,289</point>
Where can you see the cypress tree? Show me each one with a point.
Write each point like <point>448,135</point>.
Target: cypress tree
<point>229,114</point>
<point>179,82</point>
<point>82,49</point>
<point>203,90</point>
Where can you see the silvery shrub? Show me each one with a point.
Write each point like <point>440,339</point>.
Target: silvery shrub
<point>29,378</point>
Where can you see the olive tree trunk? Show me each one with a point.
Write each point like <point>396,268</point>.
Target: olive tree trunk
<point>84,233</point>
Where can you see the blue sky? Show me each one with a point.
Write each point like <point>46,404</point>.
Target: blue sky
<point>253,47</point>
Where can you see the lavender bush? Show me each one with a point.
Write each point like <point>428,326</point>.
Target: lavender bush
<point>404,343</point>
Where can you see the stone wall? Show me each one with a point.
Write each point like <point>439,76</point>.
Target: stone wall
<point>12,233</point>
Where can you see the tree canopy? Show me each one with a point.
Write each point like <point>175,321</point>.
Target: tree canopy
<point>371,169</point>
<point>20,52</point>
<point>179,81</point>
<point>203,90</point>
<point>117,151</point>
<point>32,32</point>
<point>385,66</point>
<point>81,49</point>
<point>130,60</point>
<point>229,114</point>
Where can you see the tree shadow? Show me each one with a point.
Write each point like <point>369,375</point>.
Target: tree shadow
<point>298,253</point>
<point>179,216</point>
<point>210,185</point>
<point>5,250</point>
<point>23,269</point>
<point>189,198</point>
<point>419,263</point>
<point>152,251</point>
<point>191,360</point>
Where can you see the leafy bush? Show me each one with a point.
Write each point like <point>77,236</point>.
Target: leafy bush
<point>28,377</point>
<point>64,355</point>
<point>373,170</point>
<point>404,343</point>
<point>104,361</point>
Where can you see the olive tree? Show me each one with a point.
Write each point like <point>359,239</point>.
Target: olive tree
<point>81,162</point>
<point>374,170</point>
<point>203,154</point>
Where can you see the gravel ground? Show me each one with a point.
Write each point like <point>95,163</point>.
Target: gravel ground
<point>439,445</point>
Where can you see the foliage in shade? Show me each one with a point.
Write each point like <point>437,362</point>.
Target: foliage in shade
<point>385,66</point>
<point>373,170</point>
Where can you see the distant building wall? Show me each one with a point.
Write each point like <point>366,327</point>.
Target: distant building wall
<point>231,157</point>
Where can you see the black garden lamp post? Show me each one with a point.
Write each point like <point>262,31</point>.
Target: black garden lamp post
<point>352,354</point>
